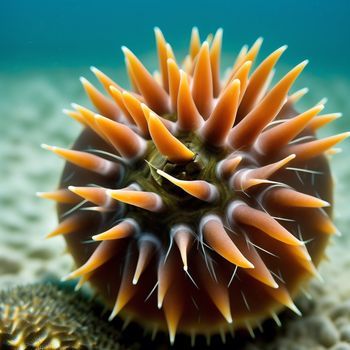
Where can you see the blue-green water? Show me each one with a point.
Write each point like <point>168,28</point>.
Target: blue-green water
<point>69,32</point>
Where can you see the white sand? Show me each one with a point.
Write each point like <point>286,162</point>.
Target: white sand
<point>31,114</point>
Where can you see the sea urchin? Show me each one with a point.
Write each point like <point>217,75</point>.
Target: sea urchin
<point>193,203</point>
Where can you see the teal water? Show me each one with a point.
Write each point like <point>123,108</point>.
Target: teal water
<point>64,33</point>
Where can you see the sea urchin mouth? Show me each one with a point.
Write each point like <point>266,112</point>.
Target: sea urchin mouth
<point>194,203</point>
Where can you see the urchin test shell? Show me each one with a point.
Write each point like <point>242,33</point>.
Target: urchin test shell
<point>194,204</point>
<point>47,316</point>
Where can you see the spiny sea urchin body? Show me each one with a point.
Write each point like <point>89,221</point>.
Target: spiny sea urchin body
<point>192,203</point>
<point>44,316</point>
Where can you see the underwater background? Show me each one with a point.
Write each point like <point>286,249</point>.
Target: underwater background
<point>45,46</point>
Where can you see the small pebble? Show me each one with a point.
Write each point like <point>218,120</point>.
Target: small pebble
<point>342,309</point>
<point>345,332</point>
<point>341,346</point>
<point>326,333</point>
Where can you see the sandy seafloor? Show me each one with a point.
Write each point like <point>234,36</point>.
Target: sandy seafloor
<point>30,114</point>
